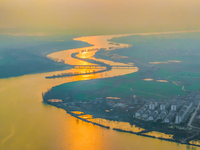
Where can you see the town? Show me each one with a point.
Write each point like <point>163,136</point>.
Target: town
<point>178,116</point>
<point>179,112</point>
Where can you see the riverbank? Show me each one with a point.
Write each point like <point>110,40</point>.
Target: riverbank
<point>27,55</point>
<point>101,64</point>
<point>74,74</point>
<point>167,88</point>
<point>144,133</point>
<point>22,113</point>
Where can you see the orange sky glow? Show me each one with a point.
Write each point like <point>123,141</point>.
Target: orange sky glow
<point>99,16</point>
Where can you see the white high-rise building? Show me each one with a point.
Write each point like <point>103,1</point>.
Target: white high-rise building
<point>178,119</point>
<point>173,107</point>
<point>152,106</point>
<point>162,107</point>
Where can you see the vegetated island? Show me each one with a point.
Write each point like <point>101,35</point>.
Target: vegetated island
<point>104,67</point>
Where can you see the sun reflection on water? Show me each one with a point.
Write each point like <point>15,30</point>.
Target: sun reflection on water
<point>116,124</point>
<point>77,112</point>
<point>159,135</point>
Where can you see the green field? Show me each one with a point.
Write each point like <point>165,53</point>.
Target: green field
<point>87,90</point>
<point>182,76</point>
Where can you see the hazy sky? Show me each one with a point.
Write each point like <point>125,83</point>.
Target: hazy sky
<point>99,16</point>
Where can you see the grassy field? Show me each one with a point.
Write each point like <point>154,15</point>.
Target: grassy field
<point>124,87</point>
<point>158,48</point>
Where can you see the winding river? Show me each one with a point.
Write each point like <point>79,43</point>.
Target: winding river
<point>28,124</point>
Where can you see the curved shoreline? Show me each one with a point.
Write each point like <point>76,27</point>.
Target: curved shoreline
<point>85,120</point>
<point>120,130</point>
<point>73,55</point>
<point>141,133</point>
<point>71,75</point>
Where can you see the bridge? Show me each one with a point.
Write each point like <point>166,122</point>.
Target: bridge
<point>101,67</point>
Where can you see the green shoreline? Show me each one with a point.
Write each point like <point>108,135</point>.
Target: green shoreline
<point>27,55</point>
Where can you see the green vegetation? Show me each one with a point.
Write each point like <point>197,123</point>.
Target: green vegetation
<point>181,76</point>
<point>21,55</point>
<point>158,48</point>
<point>123,86</point>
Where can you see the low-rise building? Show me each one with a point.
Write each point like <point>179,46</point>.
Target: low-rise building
<point>121,104</point>
<point>146,114</point>
<point>153,116</point>
<point>170,117</point>
<point>162,115</point>
<point>140,112</point>
<point>111,103</point>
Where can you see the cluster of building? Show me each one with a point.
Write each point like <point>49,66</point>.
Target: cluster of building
<point>126,105</point>
<point>176,110</point>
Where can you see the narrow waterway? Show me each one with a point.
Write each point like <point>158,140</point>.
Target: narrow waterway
<point>26,123</point>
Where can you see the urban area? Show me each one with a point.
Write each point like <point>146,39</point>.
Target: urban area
<point>179,112</point>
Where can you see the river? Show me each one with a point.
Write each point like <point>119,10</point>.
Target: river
<point>28,124</point>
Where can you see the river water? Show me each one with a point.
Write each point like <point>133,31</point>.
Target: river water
<point>28,124</point>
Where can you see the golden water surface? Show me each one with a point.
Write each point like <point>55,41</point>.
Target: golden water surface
<point>28,124</point>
